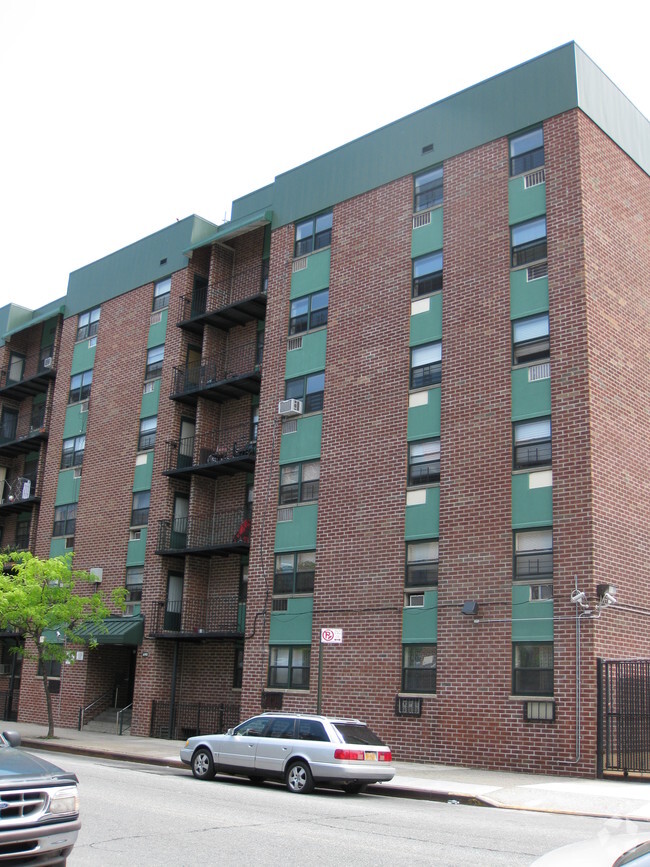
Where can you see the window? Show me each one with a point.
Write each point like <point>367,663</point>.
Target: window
<point>8,425</point>
<point>134,576</point>
<point>88,323</point>
<point>532,443</point>
<point>527,151</point>
<point>309,312</point>
<point>309,389</point>
<point>154,362</point>
<point>80,386</point>
<point>427,190</point>
<point>22,534</point>
<point>528,242</point>
<point>294,572</point>
<point>161,291</point>
<point>426,365</point>
<point>238,667</point>
<point>147,435</point>
<point>424,462</point>
<point>541,592</point>
<point>73,452</point>
<point>533,555</point>
<point>264,281</point>
<point>313,234</point>
<point>65,518</point>
<point>16,369</point>
<point>427,274</point>
<point>299,482</point>
<point>419,668</point>
<point>532,669</point>
<point>530,339</point>
<point>50,668</point>
<point>421,564</point>
<point>289,667</point>
<point>140,510</point>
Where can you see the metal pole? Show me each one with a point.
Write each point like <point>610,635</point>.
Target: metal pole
<point>320,676</point>
<point>172,696</point>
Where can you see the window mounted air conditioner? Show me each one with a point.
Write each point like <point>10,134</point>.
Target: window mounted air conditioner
<point>416,600</point>
<point>47,362</point>
<point>289,408</point>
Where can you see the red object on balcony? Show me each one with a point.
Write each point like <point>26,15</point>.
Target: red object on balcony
<point>243,534</point>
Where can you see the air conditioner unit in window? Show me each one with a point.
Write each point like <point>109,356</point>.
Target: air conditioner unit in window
<point>47,362</point>
<point>290,407</point>
<point>416,600</point>
<point>132,609</point>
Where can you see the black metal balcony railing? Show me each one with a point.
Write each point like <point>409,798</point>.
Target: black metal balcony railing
<point>232,375</point>
<point>23,437</point>
<point>27,375</point>
<point>185,719</point>
<point>226,534</point>
<point>219,616</point>
<point>213,454</point>
<point>223,306</point>
<point>19,493</point>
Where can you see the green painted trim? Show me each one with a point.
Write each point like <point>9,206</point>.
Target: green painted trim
<point>57,547</point>
<point>150,400</point>
<point>426,327</point>
<point>19,318</point>
<point>310,358</point>
<point>143,473</point>
<point>524,204</point>
<point>421,522</point>
<point>76,421</point>
<point>305,443</point>
<point>427,239</point>
<point>314,277</point>
<point>83,357</point>
<point>420,625</point>
<point>531,621</point>
<point>158,330</point>
<point>294,625</point>
<point>529,399</point>
<point>136,549</point>
<point>67,488</point>
<point>531,507</point>
<point>300,533</point>
<point>234,228</point>
<point>424,421</point>
<point>527,298</point>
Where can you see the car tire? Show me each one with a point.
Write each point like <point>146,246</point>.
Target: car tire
<point>354,788</point>
<point>203,764</point>
<point>299,778</point>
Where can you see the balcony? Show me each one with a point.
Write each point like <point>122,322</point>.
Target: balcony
<point>21,439</point>
<point>235,375</point>
<point>215,305</point>
<point>225,534</point>
<point>28,375</point>
<point>18,495</point>
<point>211,455</point>
<point>196,620</point>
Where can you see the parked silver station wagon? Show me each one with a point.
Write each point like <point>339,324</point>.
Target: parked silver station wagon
<point>304,750</point>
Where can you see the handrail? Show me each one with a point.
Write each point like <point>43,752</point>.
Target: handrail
<point>119,720</point>
<point>84,710</point>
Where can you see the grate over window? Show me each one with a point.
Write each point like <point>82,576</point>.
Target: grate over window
<point>421,219</point>
<point>299,264</point>
<point>294,343</point>
<point>539,371</point>
<point>534,179</point>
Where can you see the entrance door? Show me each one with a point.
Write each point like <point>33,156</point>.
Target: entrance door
<point>179,522</point>
<point>16,367</point>
<point>199,295</point>
<point>174,602</point>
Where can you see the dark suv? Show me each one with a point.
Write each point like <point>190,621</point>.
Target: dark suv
<point>39,808</point>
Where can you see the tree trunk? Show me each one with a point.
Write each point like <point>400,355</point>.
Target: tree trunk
<point>48,696</point>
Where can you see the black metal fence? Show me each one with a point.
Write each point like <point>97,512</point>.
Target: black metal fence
<point>200,534</point>
<point>209,372</point>
<point>186,719</point>
<point>219,614</point>
<point>624,715</point>
<point>9,704</point>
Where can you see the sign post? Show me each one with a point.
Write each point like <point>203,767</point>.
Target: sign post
<point>327,636</point>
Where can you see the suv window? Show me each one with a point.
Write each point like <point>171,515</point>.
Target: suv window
<point>311,730</point>
<point>253,727</point>
<point>358,734</point>
<point>282,727</point>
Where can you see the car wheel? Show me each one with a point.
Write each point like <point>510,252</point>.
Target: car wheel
<point>354,788</point>
<point>202,764</point>
<point>299,779</point>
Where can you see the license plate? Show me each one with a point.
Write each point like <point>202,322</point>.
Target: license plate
<point>371,757</point>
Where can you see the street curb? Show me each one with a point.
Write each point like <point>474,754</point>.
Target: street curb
<point>38,744</point>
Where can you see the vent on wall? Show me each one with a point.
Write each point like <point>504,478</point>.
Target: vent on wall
<point>294,343</point>
<point>534,179</point>
<point>421,219</point>
<point>536,272</point>
<point>539,711</point>
<point>299,264</point>
<point>156,317</point>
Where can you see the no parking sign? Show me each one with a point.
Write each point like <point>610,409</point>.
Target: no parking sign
<point>331,636</point>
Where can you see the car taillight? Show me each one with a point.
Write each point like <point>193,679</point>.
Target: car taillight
<point>385,757</point>
<point>350,755</point>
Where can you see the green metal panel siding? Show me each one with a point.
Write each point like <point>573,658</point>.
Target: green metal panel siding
<point>293,626</point>
<point>143,262</point>
<point>420,625</point>
<point>310,358</point>
<point>300,533</point>
<point>531,507</point>
<point>75,421</point>
<point>67,488</point>
<point>524,204</point>
<point>157,331</point>
<point>150,400</point>
<point>136,548</point>
<point>314,277</point>
<point>304,444</point>
<point>422,521</point>
<point>83,357</point>
<point>57,547</point>
<point>531,621</point>
<point>49,332</point>
<point>529,399</point>
<point>424,421</point>
<point>143,474</point>
<point>427,326</point>
<point>426,239</point>
<point>526,297</point>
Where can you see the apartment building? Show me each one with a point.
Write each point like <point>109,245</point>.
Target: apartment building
<point>377,446</point>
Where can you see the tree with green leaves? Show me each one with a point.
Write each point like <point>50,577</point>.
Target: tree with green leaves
<point>39,600</point>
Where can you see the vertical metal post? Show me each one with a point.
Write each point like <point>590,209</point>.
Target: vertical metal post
<point>172,696</point>
<point>599,718</point>
<point>320,676</point>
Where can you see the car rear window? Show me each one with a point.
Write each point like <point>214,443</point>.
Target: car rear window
<point>358,734</point>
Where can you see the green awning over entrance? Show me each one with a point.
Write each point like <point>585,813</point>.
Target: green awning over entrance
<point>114,630</point>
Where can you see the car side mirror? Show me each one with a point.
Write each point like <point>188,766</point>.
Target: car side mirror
<point>12,738</point>
<point>230,732</point>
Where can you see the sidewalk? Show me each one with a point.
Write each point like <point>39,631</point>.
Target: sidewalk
<point>600,798</point>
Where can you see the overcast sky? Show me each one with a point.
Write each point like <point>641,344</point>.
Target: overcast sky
<point>119,118</point>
